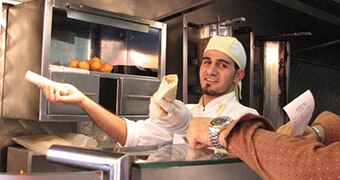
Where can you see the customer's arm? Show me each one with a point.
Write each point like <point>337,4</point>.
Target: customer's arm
<point>330,124</point>
<point>275,156</point>
<point>270,154</point>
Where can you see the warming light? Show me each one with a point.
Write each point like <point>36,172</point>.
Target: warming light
<point>137,58</point>
<point>142,60</point>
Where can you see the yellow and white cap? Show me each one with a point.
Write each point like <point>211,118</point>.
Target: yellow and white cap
<point>234,49</point>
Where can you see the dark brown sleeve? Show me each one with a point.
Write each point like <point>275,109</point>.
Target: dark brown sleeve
<point>331,125</point>
<point>276,156</point>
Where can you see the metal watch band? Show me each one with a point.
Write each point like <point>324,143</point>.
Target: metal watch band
<point>214,129</point>
<point>317,133</point>
<point>214,139</point>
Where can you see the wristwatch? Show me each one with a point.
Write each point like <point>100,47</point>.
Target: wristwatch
<point>317,134</point>
<point>216,125</point>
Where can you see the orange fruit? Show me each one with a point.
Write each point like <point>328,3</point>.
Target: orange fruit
<point>84,65</point>
<point>94,59</point>
<point>95,65</point>
<point>73,63</point>
<point>106,67</point>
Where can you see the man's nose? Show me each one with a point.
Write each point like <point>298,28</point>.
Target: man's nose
<point>211,69</point>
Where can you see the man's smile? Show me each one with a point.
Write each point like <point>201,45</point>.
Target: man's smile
<point>211,80</point>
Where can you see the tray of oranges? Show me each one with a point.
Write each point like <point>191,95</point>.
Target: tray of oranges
<point>93,64</point>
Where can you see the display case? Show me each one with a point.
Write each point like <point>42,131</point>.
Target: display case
<point>45,33</point>
<point>173,161</point>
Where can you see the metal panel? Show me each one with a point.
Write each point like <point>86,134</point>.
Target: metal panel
<point>3,25</point>
<point>90,175</point>
<point>117,165</point>
<point>275,84</point>
<point>135,95</point>
<point>23,53</point>
<point>27,161</point>
<point>106,21</point>
<point>128,7</point>
<point>227,171</point>
<point>247,40</point>
<point>90,88</point>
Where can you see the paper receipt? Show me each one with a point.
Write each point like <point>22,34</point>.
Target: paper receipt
<point>300,111</point>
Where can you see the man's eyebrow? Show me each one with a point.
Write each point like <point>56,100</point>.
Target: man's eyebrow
<point>205,57</point>
<point>224,61</point>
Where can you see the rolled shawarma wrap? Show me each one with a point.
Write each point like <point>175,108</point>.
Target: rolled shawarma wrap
<point>167,89</point>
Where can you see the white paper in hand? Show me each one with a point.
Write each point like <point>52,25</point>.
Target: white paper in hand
<point>300,111</point>
<point>38,79</point>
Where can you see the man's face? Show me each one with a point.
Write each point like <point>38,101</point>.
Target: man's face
<point>217,73</point>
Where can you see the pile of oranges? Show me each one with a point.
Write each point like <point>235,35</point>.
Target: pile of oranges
<point>94,64</point>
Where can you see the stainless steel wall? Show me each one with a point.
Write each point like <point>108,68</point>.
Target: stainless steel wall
<point>125,7</point>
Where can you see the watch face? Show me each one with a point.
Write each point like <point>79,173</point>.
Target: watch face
<point>221,121</point>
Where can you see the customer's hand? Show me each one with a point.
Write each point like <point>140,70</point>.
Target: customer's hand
<point>286,129</point>
<point>198,133</point>
<point>73,96</point>
<point>308,134</point>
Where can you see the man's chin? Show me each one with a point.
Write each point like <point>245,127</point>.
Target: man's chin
<point>210,92</point>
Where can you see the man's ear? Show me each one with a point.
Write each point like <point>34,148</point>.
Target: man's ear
<point>239,75</point>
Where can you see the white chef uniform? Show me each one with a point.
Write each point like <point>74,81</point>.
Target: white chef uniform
<point>146,132</point>
<point>150,132</point>
<point>226,105</point>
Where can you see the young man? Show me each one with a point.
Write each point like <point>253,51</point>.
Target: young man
<point>221,72</point>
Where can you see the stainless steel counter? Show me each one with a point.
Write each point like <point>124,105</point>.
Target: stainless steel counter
<point>181,162</point>
<point>150,162</point>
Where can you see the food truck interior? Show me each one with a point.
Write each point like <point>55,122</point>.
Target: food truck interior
<point>140,42</point>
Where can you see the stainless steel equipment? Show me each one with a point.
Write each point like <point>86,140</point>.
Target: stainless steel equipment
<point>85,175</point>
<point>167,162</point>
<point>117,165</point>
<point>45,32</point>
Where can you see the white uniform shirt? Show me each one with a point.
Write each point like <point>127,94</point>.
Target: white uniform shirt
<point>145,132</point>
<point>226,105</point>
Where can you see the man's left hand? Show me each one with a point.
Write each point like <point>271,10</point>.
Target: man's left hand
<point>198,133</point>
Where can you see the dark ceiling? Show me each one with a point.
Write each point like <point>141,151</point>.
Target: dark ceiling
<point>330,6</point>
<point>320,17</point>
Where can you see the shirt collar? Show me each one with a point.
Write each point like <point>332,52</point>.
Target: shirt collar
<point>222,99</point>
